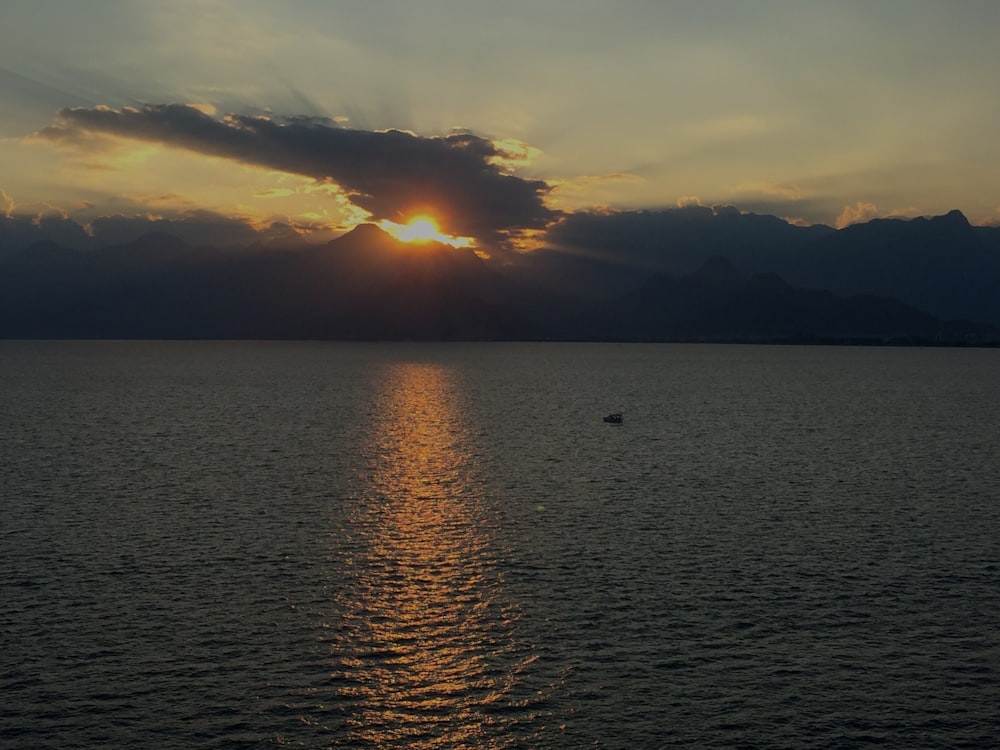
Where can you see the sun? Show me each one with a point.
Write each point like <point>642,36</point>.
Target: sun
<point>423,229</point>
<point>420,229</point>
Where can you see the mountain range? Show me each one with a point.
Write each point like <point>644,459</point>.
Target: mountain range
<point>705,275</point>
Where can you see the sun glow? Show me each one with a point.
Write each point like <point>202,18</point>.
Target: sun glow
<point>423,229</point>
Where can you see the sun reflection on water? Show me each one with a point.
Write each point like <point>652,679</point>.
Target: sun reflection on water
<point>427,656</point>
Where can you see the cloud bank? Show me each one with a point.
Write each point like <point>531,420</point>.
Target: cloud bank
<point>464,179</point>
<point>196,228</point>
<point>857,214</point>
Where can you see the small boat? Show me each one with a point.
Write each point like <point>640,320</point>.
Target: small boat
<point>615,418</point>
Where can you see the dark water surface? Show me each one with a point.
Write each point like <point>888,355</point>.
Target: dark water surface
<point>443,546</point>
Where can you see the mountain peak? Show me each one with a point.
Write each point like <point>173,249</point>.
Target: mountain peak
<point>953,218</point>
<point>364,231</point>
<point>373,241</point>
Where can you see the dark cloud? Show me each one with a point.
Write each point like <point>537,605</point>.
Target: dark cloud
<point>20,232</point>
<point>637,238</point>
<point>195,228</point>
<point>675,240</point>
<point>389,173</point>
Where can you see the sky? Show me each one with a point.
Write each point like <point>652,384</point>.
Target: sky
<point>495,118</point>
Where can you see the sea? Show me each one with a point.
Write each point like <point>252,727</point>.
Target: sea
<point>422,545</point>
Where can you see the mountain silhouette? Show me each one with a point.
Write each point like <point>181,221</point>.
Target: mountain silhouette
<point>366,285</point>
<point>942,265</point>
<point>717,303</point>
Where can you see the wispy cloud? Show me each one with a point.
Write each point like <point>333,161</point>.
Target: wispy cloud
<point>6,204</point>
<point>588,191</point>
<point>785,190</point>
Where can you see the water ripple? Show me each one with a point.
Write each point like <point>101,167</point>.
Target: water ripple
<point>303,545</point>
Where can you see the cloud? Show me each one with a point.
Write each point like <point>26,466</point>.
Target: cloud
<point>6,204</point>
<point>786,190</point>
<point>513,152</point>
<point>463,179</point>
<point>24,225</point>
<point>206,108</point>
<point>857,214</point>
<point>18,232</point>
<point>197,228</point>
<point>673,239</point>
<point>798,221</point>
<point>588,191</point>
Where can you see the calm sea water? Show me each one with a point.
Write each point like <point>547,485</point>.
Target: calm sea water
<point>229,545</point>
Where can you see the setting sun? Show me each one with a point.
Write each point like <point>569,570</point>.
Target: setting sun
<point>423,229</point>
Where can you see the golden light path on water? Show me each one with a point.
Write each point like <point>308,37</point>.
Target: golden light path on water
<point>427,656</point>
